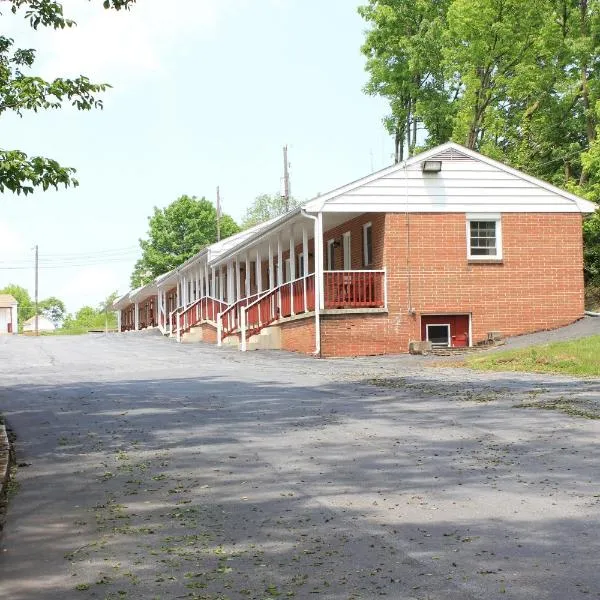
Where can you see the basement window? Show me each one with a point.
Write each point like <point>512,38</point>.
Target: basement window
<point>484,237</point>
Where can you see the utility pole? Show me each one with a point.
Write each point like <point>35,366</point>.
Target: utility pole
<point>36,290</point>
<point>218,214</point>
<point>286,179</point>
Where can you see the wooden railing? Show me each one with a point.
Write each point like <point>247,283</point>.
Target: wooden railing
<point>231,316</point>
<point>354,289</point>
<point>291,298</point>
<point>205,309</point>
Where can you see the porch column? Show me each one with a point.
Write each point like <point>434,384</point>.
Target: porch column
<point>178,289</point>
<point>214,282</point>
<point>258,271</point>
<point>292,268</point>
<point>305,262</point>
<point>279,261</point>
<point>247,275</point>
<point>118,321</point>
<point>319,260</point>
<point>238,279</point>
<point>271,268</point>
<point>230,283</point>
<point>137,316</point>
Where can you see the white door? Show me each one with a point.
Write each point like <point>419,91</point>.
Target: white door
<point>4,319</point>
<point>347,243</point>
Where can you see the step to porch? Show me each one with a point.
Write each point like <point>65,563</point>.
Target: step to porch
<point>269,338</point>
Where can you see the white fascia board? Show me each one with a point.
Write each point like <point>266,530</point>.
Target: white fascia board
<point>378,207</point>
<point>144,292</point>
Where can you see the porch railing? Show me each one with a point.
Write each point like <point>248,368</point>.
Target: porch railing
<point>291,298</point>
<point>231,317</point>
<point>205,309</point>
<point>355,289</point>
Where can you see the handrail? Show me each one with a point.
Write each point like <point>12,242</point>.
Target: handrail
<point>230,318</point>
<point>206,308</point>
<point>289,298</point>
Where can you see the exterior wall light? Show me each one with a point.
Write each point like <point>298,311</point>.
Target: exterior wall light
<point>431,166</point>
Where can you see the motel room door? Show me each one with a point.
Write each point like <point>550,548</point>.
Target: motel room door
<point>451,331</point>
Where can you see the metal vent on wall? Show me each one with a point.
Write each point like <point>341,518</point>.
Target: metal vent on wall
<point>450,154</point>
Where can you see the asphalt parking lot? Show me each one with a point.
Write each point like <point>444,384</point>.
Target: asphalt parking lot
<point>151,470</point>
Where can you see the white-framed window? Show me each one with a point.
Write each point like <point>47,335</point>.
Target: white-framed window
<point>484,237</point>
<point>331,255</point>
<point>347,245</point>
<point>287,271</point>
<point>367,244</point>
<point>300,270</point>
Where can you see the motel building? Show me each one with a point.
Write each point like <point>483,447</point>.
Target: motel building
<point>446,247</point>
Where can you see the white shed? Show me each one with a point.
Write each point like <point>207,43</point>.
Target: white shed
<point>8,314</point>
<point>44,324</point>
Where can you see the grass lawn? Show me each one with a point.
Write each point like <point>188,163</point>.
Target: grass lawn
<point>578,357</point>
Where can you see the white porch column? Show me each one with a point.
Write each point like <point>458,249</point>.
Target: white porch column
<point>271,268</point>
<point>178,291</point>
<point>220,285</point>
<point>238,279</point>
<point>305,263</point>
<point>118,321</point>
<point>319,259</point>
<point>279,261</point>
<point>292,255</point>
<point>137,315</point>
<point>214,283</point>
<point>258,270</point>
<point>230,283</point>
<point>247,275</point>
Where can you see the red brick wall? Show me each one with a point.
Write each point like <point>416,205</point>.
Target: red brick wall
<point>298,336</point>
<point>209,333</point>
<point>355,227</point>
<point>538,284</point>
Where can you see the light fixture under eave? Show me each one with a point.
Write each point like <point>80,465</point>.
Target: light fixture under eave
<point>431,166</point>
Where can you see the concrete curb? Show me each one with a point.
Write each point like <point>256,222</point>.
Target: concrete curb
<point>4,458</point>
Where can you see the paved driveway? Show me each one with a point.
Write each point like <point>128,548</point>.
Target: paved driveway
<point>155,470</point>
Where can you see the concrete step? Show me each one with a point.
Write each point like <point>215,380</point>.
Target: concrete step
<point>268,339</point>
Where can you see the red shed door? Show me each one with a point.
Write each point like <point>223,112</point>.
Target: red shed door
<point>445,330</point>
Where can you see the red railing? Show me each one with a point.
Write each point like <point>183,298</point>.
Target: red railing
<point>354,289</point>
<point>205,309</point>
<point>292,298</point>
<point>231,316</point>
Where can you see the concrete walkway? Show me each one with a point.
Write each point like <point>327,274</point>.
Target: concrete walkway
<point>156,470</point>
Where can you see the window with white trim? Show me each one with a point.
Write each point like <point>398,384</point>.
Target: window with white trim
<point>367,244</point>
<point>331,255</point>
<point>300,270</point>
<point>484,237</point>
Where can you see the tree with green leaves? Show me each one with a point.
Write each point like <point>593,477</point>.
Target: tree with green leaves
<point>21,91</point>
<point>176,233</point>
<point>53,309</point>
<point>265,207</point>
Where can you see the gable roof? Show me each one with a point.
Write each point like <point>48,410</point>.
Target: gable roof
<point>6,301</point>
<point>468,181</point>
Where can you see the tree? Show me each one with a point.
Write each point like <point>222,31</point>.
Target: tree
<point>265,207</point>
<point>20,92</point>
<point>53,309</point>
<point>26,308</point>
<point>176,233</point>
<point>106,308</point>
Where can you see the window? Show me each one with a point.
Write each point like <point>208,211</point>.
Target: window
<point>331,255</point>
<point>347,243</point>
<point>367,245</point>
<point>300,270</point>
<point>287,275</point>
<point>484,237</point>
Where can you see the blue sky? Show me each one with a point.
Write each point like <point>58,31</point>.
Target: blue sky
<point>204,95</point>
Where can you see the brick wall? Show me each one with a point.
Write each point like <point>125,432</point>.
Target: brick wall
<point>209,333</point>
<point>298,336</point>
<point>538,284</point>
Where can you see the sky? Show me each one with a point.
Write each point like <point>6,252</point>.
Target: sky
<point>204,94</point>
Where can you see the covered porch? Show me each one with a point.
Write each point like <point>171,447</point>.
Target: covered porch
<point>282,275</point>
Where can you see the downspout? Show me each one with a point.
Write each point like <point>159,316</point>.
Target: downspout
<point>318,283</point>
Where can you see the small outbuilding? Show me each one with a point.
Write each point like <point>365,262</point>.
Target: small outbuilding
<point>8,314</point>
<point>44,324</point>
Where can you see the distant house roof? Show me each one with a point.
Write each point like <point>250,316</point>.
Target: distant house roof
<point>44,324</point>
<point>6,301</point>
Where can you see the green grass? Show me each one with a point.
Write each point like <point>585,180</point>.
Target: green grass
<point>578,357</point>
